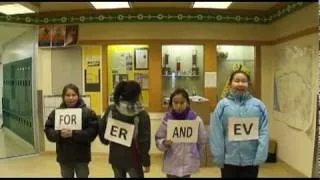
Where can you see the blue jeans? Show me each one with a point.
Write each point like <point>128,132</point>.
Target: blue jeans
<point>133,172</point>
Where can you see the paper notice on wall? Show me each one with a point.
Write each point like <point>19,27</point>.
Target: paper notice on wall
<point>93,61</point>
<point>210,79</point>
<point>92,76</point>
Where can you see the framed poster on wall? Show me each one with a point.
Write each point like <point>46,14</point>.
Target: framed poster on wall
<point>58,34</point>
<point>71,37</point>
<point>45,35</point>
<point>141,59</point>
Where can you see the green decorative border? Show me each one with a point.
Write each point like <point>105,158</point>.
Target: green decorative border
<point>157,17</point>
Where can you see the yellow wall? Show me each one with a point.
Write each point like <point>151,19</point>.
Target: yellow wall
<point>125,49</point>
<point>89,52</point>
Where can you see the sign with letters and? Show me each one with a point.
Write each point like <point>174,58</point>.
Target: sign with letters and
<point>183,131</point>
<point>69,118</point>
<point>243,129</point>
<point>119,132</point>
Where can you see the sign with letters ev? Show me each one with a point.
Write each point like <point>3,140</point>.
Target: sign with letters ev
<point>243,129</point>
<point>69,118</point>
<point>183,131</point>
<point>119,132</point>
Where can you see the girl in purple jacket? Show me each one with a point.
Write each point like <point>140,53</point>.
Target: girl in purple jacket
<point>180,159</point>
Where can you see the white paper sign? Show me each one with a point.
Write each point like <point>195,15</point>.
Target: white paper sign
<point>182,131</point>
<point>210,79</point>
<point>119,132</point>
<point>242,129</point>
<point>69,118</point>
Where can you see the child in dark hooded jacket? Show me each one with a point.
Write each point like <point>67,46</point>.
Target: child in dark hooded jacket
<point>73,147</point>
<point>134,160</point>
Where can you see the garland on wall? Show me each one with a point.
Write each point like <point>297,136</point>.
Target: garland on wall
<point>157,17</point>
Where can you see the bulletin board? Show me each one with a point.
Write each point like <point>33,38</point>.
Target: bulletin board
<point>121,67</point>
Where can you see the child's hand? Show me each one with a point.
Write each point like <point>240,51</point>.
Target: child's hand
<point>167,143</point>
<point>146,169</point>
<point>66,133</point>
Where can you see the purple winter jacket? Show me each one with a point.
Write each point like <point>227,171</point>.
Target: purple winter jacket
<point>182,158</point>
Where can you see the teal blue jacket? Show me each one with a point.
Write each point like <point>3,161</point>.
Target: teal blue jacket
<point>240,153</point>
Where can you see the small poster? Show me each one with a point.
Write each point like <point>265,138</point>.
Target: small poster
<point>142,79</point>
<point>92,76</point>
<point>210,79</point>
<point>93,61</point>
<point>129,62</point>
<point>71,37</point>
<point>141,59</point>
<point>45,35</point>
<point>58,35</point>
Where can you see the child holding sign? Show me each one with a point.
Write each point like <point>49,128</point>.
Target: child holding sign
<point>126,127</point>
<point>73,147</point>
<point>239,130</point>
<point>181,136</point>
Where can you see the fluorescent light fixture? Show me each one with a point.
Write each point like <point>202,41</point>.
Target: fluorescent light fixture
<point>215,5</point>
<point>110,5</point>
<point>10,9</point>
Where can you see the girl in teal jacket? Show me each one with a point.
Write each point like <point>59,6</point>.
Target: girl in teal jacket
<point>239,130</point>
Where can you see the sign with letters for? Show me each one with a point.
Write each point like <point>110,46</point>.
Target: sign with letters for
<point>119,132</point>
<point>242,129</point>
<point>69,118</point>
<point>183,131</point>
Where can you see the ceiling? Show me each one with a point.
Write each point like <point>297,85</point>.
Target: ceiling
<point>69,7</point>
<point>56,8</point>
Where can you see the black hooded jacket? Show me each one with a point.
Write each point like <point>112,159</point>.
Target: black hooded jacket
<point>128,157</point>
<point>78,147</point>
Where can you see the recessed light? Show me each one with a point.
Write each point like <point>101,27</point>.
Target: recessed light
<point>215,5</point>
<point>110,5</point>
<point>10,9</point>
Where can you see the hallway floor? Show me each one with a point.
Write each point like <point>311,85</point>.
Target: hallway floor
<point>12,145</point>
<point>45,165</point>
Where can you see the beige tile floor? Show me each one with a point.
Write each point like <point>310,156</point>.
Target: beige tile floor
<point>12,145</point>
<point>45,165</point>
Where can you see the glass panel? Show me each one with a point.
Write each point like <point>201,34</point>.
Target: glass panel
<point>230,57</point>
<point>182,67</point>
<point>17,137</point>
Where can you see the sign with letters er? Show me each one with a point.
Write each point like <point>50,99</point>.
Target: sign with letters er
<point>183,131</point>
<point>119,132</point>
<point>69,118</point>
<point>242,129</point>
